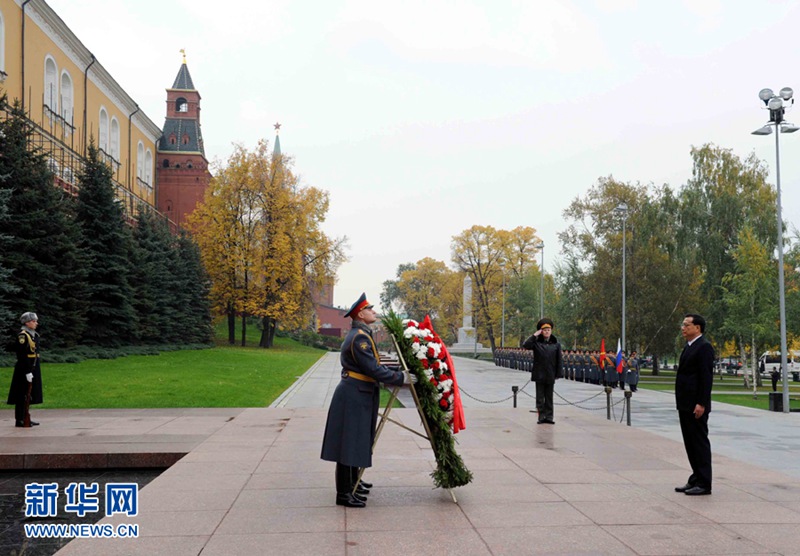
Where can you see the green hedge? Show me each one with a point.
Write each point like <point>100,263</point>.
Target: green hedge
<point>82,353</point>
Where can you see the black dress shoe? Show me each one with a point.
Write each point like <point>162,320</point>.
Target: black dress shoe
<point>541,422</point>
<point>34,423</point>
<point>361,490</point>
<point>19,424</point>
<point>697,491</point>
<point>349,501</point>
<point>365,484</point>
<point>549,421</point>
<point>684,488</point>
<point>360,497</point>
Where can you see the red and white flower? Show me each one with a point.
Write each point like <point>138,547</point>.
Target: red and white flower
<point>427,347</point>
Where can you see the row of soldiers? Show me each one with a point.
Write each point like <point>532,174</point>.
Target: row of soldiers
<point>592,367</point>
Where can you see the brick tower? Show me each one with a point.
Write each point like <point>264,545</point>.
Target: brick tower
<point>181,168</point>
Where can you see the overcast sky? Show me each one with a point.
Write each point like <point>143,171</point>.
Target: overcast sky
<point>423,118</point>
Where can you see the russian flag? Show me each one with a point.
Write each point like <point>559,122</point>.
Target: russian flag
<point>619,356</point>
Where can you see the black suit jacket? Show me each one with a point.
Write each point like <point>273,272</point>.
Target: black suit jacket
<point>695,376</point>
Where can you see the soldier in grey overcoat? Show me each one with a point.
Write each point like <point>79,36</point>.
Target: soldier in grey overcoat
<point>353,413</point>
<point>634,365</point>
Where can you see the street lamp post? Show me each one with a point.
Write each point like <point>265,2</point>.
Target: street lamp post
<point>622,209</point>
<point>540,246</point>
<point>777,104</point>
<point>503,334</point>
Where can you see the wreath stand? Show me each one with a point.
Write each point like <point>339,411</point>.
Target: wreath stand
<point>388,409</point>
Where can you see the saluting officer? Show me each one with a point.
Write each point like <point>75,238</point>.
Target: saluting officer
<point>26,383</point>
<point>353,414</point>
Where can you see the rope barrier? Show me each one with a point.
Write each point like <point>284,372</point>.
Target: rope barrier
<point>566,401</point>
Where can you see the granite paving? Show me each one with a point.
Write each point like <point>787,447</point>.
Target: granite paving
<point>250,481</point>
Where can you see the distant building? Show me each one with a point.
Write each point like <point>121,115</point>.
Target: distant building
<point>71,100</point>
<point>182,172</point>
<point>330,321</point>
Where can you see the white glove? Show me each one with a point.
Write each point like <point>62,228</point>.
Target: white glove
<point>408,378</point>
<point>29,376</point>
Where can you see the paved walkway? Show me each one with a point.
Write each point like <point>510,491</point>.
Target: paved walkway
<point>252,481</point>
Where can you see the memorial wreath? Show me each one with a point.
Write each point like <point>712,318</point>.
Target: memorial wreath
<point>427,357</point>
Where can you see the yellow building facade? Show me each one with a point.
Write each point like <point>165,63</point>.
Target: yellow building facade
<point>71,99</point>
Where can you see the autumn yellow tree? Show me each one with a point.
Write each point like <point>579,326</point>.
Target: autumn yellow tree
<point>260,238</point>
<point>481,252</point>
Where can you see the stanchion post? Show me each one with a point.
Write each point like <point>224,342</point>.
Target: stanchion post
<point>628,395</point>
<point>514,390</point>
<point>608,402</point>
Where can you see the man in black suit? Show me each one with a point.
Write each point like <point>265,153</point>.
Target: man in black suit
<point>693,399</point>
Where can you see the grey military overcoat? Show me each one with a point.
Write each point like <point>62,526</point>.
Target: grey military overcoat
<point>353,414</point>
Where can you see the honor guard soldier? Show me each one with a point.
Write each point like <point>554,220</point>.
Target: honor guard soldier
<point>611,371</point>
<point>353,414</point>
<point>581,373</point>
<point>634,365</point>
<point>593,366</point>
<point>26,383</point>
<point>623,371</point>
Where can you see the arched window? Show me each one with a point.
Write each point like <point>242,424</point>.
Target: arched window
<point>148,168</point>
<point>165,164</point>
<point>103,131</point>
<point>181,105</point>
<point>67,97</point>
<point>114,138</point>
<point>172,139</point>
<point>140,161</point>
<point>50,84</point>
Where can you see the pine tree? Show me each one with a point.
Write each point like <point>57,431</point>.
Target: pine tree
<point>44,251</point>
<point>107,240</point>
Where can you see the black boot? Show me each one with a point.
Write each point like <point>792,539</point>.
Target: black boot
<point>363,488</point>
<point>344,488</point>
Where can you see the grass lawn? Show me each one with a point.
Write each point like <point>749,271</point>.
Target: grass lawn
<point>216,377</point>
<point>222,376</point>
<point>730,390</point>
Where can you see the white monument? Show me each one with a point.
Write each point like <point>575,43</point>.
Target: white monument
<point>467,335</point>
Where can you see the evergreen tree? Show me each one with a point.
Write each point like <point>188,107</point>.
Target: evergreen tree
<point>7,289</point>
<point>157,289</point>
<point>44,251</point>
<point>107,241</point>
<point>194,286</point>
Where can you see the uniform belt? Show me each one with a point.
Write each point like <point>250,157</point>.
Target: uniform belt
<point>358,376</point>
<point>33,355</point>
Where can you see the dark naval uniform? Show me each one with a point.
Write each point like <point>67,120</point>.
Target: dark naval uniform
<point>547,366</point>
<point>353,413</point>
<point>27,348</point>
